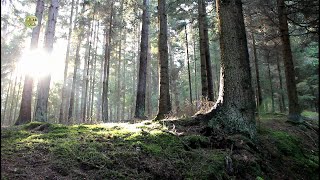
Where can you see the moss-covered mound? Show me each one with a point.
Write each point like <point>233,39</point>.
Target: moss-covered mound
<point>150,150</point>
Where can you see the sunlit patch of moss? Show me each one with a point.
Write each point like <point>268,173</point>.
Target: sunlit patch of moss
<point>310,114</point>
<point>32,125</point>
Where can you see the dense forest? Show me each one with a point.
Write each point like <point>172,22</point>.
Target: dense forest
<point>206,74</point>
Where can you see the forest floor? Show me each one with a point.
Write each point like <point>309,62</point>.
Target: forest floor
<point>171,149</point>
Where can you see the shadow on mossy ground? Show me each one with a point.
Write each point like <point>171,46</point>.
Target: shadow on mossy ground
<point>151,150</point>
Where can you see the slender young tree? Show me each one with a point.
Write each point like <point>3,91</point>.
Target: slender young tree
<point>78,28</point>
<point>141,88</point>
<point>235,106</point>
<point>106,68</point>
<point>25,107</point>
<point>188,61</point>
<point>41,111</point>
<point>258,86</point>
<point>294,108</point>
<point>164,106</point>
<point>270,80</point>
<point>66,66</point>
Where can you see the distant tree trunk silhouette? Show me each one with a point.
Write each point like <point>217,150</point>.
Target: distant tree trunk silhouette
<point>294,108</point>
<point>256,64</point>
<point>62,114</point>
<point>106,69</point>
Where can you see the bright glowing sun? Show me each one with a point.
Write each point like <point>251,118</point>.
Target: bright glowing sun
<point>37,63</point>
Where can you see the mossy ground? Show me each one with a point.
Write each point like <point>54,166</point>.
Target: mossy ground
<point>150,150</point>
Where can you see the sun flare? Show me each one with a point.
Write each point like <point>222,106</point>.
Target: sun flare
<point>37,63</point>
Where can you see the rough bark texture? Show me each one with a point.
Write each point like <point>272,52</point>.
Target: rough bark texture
<point>25,107</point>
<point>44,83</point>
<point>164,99</point>
<point>234,109</point>
<point>141,88</point>
<point>206,71</point>
<point>294,108</point>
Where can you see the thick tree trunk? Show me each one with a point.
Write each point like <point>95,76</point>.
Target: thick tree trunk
<point>41,111</point>
<point>25,107</point>
<point>206,71</point>
<point>141,88</point>
<point>256,64</point>
<point>294,108</point>
<point>164,99</point>
<point>106,70</point>
<point>234,109</point>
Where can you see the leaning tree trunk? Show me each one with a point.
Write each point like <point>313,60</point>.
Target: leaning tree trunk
<point>25,107</point>
<point>164,99</point>
<point>294,108</point>
<point>141,89</point>
<point>44,83</point>
<point>235,107</point>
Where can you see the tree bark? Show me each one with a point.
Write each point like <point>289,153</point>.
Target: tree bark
<point>25,105</point>
<point>141,88</point>
<point>164,99</point>
<point>294,108</point>
<point>206,71</point>
<point>41,111</point>
<point>234,108</point>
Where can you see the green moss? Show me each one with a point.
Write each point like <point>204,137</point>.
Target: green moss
<point>310,114</point>
<point>196,141</point>
<point>287,144</point>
